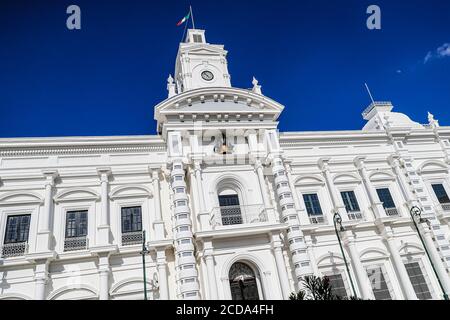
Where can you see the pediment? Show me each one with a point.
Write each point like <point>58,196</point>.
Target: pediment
<point>19,197</point>
<point>381,176</point>
<point>77,194</point>
<point>217,107</point>
<point>74,292</point>
<point>203,49</point>
<point>131,191</point>
<point>309,180</point>
<point>218,99</point>
<point>130,286</point>
<point>433,167</point>
<point>343,178</point>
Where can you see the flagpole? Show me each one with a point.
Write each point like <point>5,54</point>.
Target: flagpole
<point>184,32</point>
<point>368,91</point>
<point>192,17</point>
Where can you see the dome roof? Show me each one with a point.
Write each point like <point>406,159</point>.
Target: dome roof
<point>381,112</point>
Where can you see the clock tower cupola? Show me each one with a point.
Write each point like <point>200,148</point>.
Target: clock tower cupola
<point>200,64</point>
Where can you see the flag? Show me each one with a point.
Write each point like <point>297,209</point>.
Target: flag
<point>184,19</point>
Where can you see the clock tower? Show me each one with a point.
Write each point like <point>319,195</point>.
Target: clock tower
<point>200,64</point>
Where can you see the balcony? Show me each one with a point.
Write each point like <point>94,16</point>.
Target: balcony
<point>235,215</point>
<point>354,215</point>
<point>16,249</point>
<point>75,244</point>
<point>131,238</point>
<point>391,212</point>
<point>316,219</point>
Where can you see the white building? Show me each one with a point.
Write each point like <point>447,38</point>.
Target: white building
<point>230,206</point>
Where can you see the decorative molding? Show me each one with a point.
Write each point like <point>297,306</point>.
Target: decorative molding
<point>27,151</point>
<point>118,192</point>
<point>34,198</point>
<point>85,194</point>
<point>80,287</point>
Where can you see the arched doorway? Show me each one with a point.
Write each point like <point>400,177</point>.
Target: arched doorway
<point>243,282</point>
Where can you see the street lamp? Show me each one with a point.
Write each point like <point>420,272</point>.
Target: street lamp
<point>143,253</point>
<point>338,221</point>
<point>416,213</point>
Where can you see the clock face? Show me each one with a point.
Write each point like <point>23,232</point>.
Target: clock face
<point>207,75</point>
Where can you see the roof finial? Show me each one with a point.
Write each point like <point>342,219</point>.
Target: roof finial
<point>170,86</point>
<point>256,87</point>
<point>432,121</point>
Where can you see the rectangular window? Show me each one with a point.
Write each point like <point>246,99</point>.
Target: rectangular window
<point>197,38</point>
<point>418,281</point>
<point>441,194</point>
<point>378,282</point>
<point>131,219</point>
<point>337,285</point>
<point>230,210</point>
<point>350,202</point>
<point>76,224</point>
<point>385,196</point>
<point>312,204</point>
<point>17,228</point>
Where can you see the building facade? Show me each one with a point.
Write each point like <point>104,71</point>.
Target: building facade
<point>232,208</point>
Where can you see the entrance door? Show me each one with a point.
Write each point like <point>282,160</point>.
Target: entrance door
<point>243,283</point>
<point>230,209</point>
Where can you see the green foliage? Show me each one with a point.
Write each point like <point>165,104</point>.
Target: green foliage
<point>317,288</point>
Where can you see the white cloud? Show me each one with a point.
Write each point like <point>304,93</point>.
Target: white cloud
<point>444,50</point>
<point>441,52</point>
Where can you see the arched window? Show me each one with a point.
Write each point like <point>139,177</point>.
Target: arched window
<point>230,209</point>
<point>243,282</point>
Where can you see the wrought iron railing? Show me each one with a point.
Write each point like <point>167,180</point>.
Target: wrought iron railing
<point>131,238</point>
<point>233,215</point>
<point>375,104</point>
<point>391,212</point>
<point>316,219</point>
<point>445,206</point>
<point>75,243</point>
<point>16,249</point>
<point>354,215</point>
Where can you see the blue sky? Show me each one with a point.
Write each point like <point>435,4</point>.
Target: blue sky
<point>311,56</point>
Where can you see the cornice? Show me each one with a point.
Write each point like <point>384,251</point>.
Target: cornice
<point>80,145</point>
<point>69,150</point>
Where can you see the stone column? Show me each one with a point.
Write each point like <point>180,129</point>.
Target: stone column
<point>376,205</point>
<point>262,183</point>
<point>361,274</point>
<point>336,199</point>
<point>297,203</point>
<point>184,238</point>
<point>199,195</point>
<point>289,215</point>
<point>104,228</point>
<point>40,280</point>
<point>104,283</point>
<point>436,259</point>
<point>45,233</point>
<point>208,255</point>
<point>277,246</point>
<point>162,273</point>
<point>400,269</point>
<point>158,224</point>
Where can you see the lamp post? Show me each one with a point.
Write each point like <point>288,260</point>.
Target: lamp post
<point>416,213</point>
<point>338,221</point>
<point>143,253</point>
